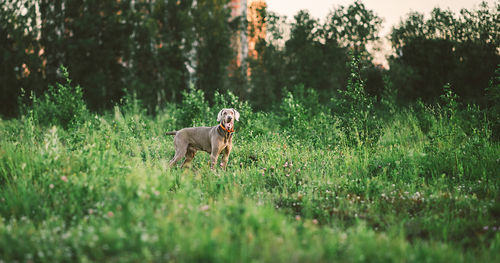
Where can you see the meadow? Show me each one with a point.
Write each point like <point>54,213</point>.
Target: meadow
<point>353,180</point>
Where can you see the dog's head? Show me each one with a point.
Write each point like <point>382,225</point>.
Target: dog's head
<point>227,117</point>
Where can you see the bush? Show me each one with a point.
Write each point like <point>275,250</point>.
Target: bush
<point>303,117</point>
<point>294,115</point>
<point>61,105</point>
<point>355,108</point>
<point>493,112</point>
<point>130,104</point>
<point>194,109</point>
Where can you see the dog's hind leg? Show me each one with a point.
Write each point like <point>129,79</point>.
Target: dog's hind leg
<point>189,156</point>
<point>180,151</point>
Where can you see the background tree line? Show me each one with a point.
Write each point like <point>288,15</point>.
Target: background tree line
<point>156,49</point>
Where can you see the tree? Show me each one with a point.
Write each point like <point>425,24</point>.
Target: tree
<point>304,52</point>
<point>91,38</point>
<point>213,44</point>
<point>353,26</point>
<point>446,48</point>
<point>268,70</point>
<point>163,37</point>
<point>20,64</point>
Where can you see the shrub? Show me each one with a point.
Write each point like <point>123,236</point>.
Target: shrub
<point>389,96</point>
<point>303,117</point>
<point>493,112</point>
<point>194,109</point>
<point>60,105</point>
<point>355,108</point>
<point>131,104</point>
<point>294,115</point>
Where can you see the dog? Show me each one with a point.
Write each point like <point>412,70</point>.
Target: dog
<point>214,140</point>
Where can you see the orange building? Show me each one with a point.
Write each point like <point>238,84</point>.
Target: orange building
<point>244,42</point>
<point>256,25</point>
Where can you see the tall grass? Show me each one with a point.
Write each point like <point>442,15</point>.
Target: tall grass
<point>305,183</point>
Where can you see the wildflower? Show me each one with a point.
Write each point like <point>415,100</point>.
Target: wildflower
<point>91,211</point>
<point>315,221</point>
<point>287,175</point>
<point>204,208</point>
<point>64,178</point>
<point>297,217</point>
<point>156,193</point>
<point>51,186</point>
<point>485,228</point>
<point>263,173</point>
<point>286,164</point>
<point>110,214</point>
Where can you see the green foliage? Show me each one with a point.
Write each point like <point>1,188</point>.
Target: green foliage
<point>142,47</point>
<point>353,26</point>
<point>155,49</point>
<point>355,108</point>
<point>163,36</point>
<point>389,96</point>
<point>195,110</point>
<point>493,94</point>
<point>20,64</point>
<point>315,54</point>
<point>213,49</point>
<point>466,43</point>
<point>296,188</point>
<point>294,113</point>
<point>60,105</point>
<point>131,105</point>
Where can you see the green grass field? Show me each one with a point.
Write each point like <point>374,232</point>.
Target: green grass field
<point>303,185</point>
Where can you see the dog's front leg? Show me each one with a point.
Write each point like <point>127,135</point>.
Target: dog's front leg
<point>213,159</point>
<point>225,157</point>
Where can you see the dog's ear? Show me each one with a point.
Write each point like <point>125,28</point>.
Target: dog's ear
<point>236,115</point>
<point>219,116</point>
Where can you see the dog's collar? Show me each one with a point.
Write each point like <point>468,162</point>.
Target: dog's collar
<point>226,130</point>
<point>227,134</point>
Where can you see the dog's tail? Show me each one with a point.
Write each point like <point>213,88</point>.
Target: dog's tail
<point>171,133</point>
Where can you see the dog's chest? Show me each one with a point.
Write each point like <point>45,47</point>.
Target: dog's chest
<point>228,139</point>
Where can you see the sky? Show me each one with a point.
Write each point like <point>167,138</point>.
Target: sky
<point>392,11</point>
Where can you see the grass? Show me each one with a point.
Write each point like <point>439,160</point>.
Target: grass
<point>423,187</point>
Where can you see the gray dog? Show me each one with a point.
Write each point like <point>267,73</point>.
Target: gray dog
<point>213,140</point>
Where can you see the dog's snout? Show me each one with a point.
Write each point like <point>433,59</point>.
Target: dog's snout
<point>229,118</point>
